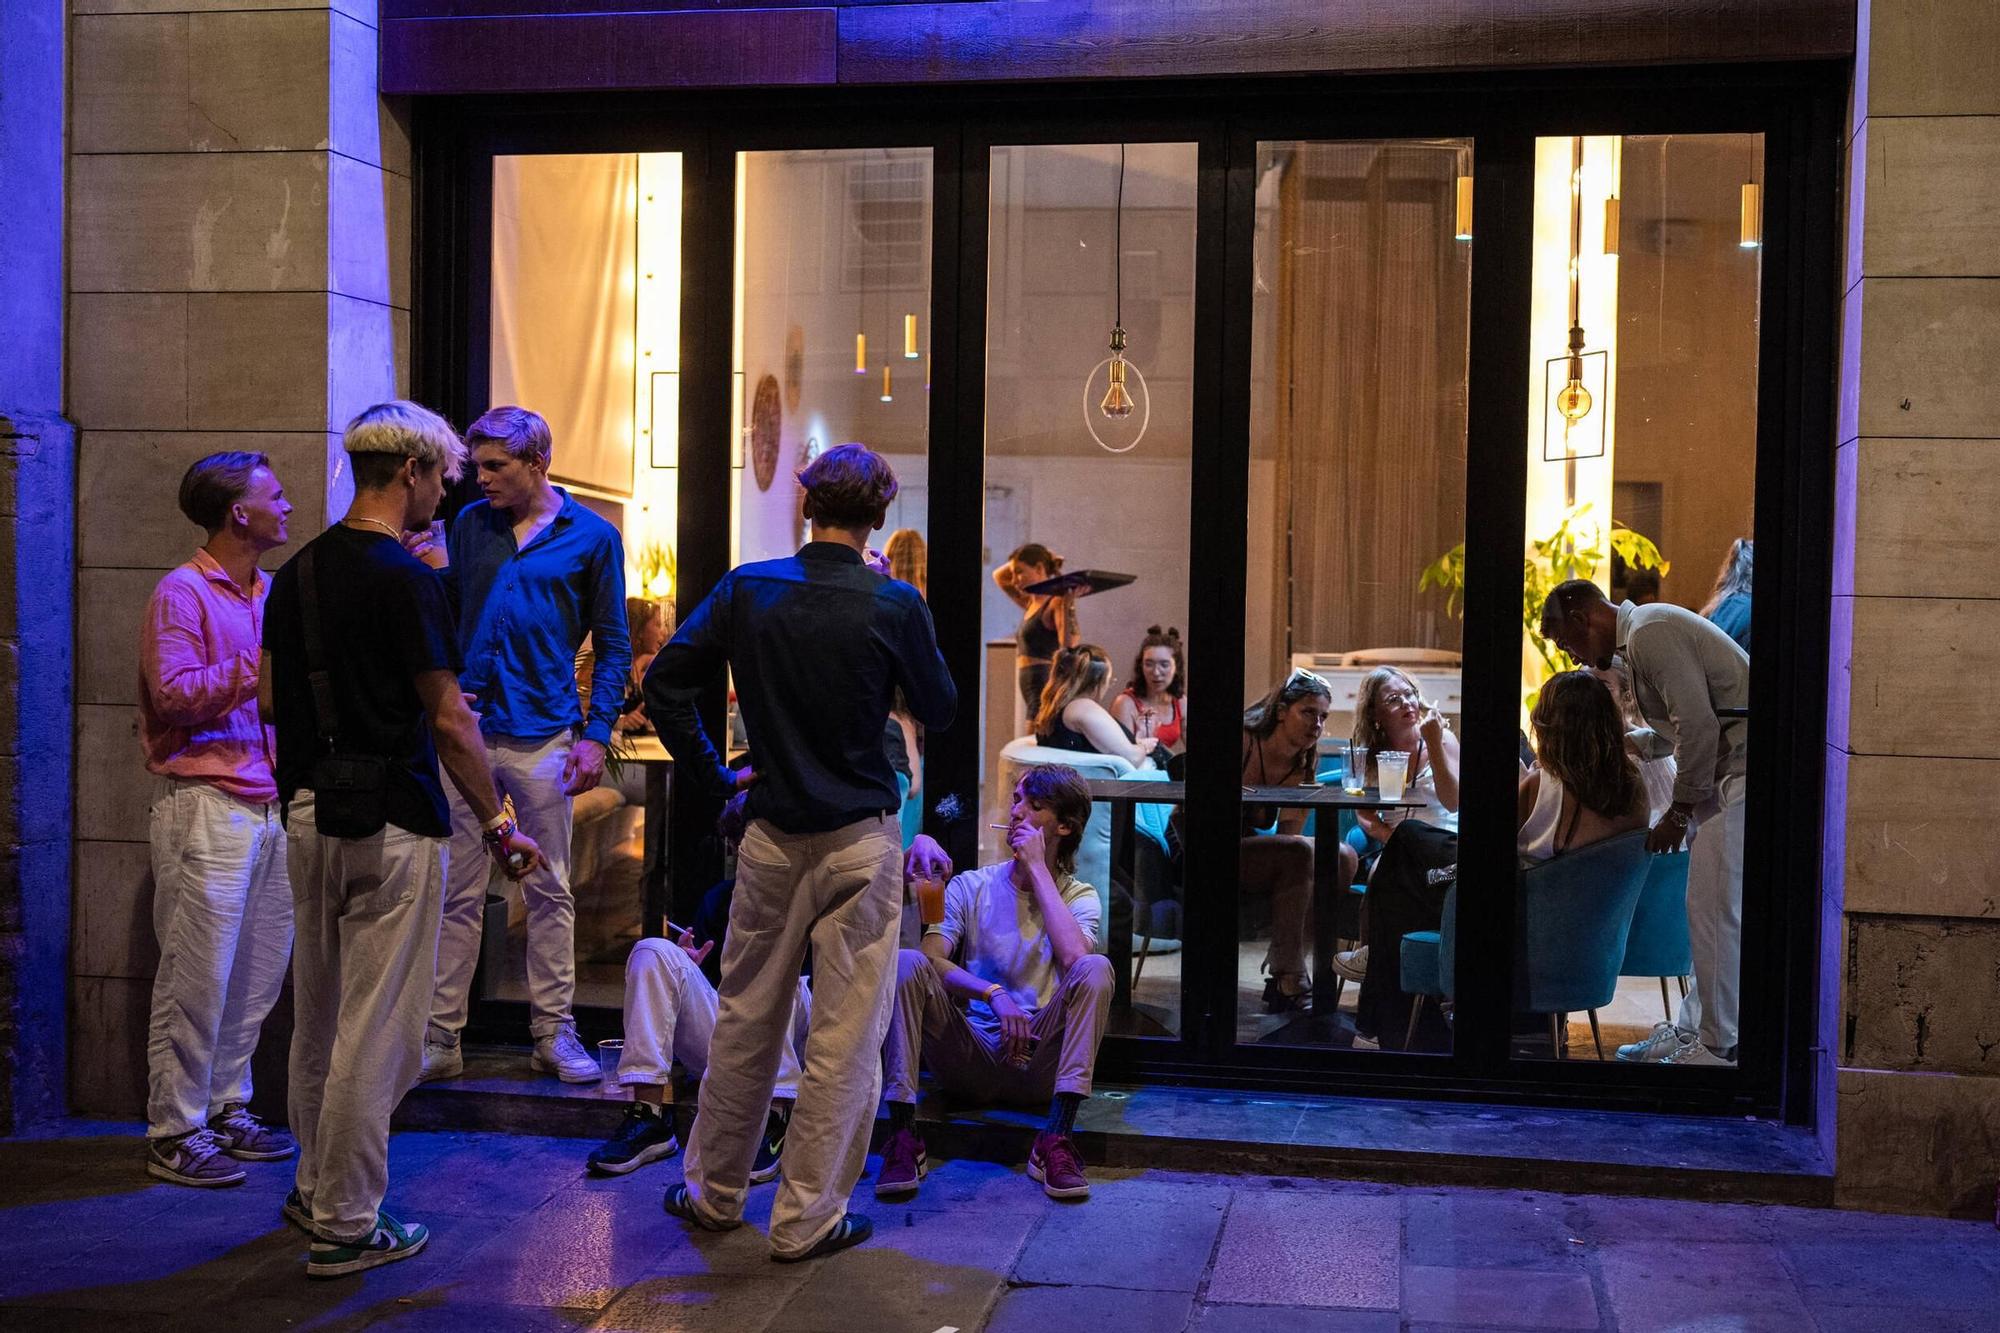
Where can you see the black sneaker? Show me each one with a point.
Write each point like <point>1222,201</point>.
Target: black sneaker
<point>851,1229</point>
<point>766,1166</point>
<point>645,1135</point>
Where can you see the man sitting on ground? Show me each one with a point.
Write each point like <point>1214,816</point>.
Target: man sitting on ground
<point>1021,1017</point>
<point>670,1008</point>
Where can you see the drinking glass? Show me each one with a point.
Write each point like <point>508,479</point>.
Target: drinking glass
<point>1392,767</point>
<point>1354,780</point>
<point>930,901</point>
<point>609,1053</point>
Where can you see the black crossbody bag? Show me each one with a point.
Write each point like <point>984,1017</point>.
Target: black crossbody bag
<point>350,791</point>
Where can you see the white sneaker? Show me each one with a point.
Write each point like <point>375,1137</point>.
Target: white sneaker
<point>1664,1040</point>
<point>1695,1053</point>
<point>441,1060</point>
<point>1352,964</point>
<point>563,1055</point>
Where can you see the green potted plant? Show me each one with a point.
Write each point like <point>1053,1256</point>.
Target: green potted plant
<point>1574,550</point>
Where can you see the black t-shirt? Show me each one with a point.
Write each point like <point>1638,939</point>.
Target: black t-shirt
<point>384,621</point>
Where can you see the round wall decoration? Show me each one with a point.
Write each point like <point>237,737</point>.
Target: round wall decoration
<point>795,366</point>
<point>765,418</point>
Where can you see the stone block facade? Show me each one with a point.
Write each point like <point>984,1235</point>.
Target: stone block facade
<point>239,278</point>
<point>1912,877</point>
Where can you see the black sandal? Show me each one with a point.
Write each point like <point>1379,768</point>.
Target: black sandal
<point>1278,1000</point>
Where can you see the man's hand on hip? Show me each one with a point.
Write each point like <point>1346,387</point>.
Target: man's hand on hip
<point>584,768</point>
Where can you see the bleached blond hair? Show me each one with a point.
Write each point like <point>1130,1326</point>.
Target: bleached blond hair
<point>409,429</point>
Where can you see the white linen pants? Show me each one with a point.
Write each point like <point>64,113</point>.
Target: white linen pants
<point>362,974</point>
<point>531,773</point>
<point>1715,918</point>
<point>840,892</point>
<point>222,912</point>
<point>670,1014</point>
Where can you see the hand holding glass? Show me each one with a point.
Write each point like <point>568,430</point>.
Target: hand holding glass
<point>930,899</point>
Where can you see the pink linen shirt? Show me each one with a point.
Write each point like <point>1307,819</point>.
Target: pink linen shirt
<point>198,655</point>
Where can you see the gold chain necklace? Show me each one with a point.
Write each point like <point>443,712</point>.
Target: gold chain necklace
<point>376,522</point>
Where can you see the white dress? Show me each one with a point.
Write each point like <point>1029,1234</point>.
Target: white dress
<point>1536,842</point>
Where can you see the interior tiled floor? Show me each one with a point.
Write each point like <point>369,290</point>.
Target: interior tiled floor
<point>523,1239</point>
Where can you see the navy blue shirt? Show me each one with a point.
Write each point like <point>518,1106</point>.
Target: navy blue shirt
<point>819,645</point>
<point>522,615</point>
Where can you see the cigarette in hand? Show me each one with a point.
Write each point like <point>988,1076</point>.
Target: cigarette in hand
<point>999,826</point>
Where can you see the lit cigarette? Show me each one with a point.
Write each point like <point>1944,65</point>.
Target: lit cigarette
<point>1000,826</point>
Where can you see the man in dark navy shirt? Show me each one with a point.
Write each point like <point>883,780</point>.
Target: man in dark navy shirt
<point>819,644</point>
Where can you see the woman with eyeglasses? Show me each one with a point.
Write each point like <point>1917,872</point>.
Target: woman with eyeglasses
<point>1072,715</point>
<point>1154,702</point>
<point>1281,735</point>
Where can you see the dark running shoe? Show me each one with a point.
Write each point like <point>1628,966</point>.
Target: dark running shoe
<point>903,1165</point>
<point>766,1166</point>
<point>248,1139</point>
<point>851,1229</point>
<point>680,1203</point>
<point>1055,1162</point>
<point>643,1136</point>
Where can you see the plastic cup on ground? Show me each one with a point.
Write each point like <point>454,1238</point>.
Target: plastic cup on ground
<point>1354,780</point>
<point>609,1053</point>
<point>1392,769</point>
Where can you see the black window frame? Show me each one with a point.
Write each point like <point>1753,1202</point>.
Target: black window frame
<point>1796,107</point>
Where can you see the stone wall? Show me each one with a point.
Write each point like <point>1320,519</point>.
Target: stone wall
<point>37,523</point>
<point>1913,799</point>
<point>239,279</point>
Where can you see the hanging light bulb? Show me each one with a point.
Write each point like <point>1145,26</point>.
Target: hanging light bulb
<point>1611,227</point>
<point>910,337</point>
<point>861,354</point>
<point>1464,210</point>
<point>1117,403</point>
<point>887,396</point>
<point>1574,400</point>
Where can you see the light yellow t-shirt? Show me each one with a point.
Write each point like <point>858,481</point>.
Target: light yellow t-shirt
<point>997,934</point>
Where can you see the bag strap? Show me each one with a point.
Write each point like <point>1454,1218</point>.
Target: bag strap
<point>316,674</point>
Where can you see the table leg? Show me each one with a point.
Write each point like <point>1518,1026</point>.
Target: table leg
<point>1327,893</point>
<point>1123,857</point>
<point>653,871</point>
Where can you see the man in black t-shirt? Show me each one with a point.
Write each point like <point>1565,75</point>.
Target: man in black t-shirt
<point>367,907</point>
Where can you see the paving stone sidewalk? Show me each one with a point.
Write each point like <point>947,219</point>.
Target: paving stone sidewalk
<point>523,1239</point>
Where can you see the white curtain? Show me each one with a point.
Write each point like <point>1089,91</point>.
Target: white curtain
<point>563,305</point>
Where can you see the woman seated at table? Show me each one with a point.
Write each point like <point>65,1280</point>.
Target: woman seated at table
<point>1072,714</point>
<point>1154,703</point>
<point>1280,747</point>
<point>1585,788</point>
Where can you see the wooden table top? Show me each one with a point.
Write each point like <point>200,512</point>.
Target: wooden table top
<point>644,749</point>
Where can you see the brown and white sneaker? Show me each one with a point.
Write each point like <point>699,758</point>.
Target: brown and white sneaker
<point>1055,1162</point>
<point>249,1139</point>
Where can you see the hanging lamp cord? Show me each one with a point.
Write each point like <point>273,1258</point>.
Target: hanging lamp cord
<point>1118,248</point>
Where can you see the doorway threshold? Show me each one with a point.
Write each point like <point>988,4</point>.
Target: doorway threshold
<point>1170,1127</point>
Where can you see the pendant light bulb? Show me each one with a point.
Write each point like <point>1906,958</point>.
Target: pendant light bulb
<point>1117,403</point>
<point>1574,400</point>
<point>1750,234</point>
<point>861,354</point>
<point>910,337</point>
<point>887,396</point>
<point>1464,209</point>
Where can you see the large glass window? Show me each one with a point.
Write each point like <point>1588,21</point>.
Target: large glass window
<point>1357,502</point>
<point>1089,370</point>
<point>584,328</point>
<point>1641,449</point>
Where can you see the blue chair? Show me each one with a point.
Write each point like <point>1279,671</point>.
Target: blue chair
<point>1658,945</point>
<point>1572,918</point>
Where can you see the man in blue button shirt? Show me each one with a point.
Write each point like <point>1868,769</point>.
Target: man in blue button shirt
<point>819,644</point>
<point>531,572</point>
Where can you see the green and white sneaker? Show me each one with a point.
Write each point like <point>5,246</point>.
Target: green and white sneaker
<point>389,1241</point>
<point>298,1212</point>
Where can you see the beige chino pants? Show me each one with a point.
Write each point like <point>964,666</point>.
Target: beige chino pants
<point>929,1025</point>
<point>841,893</point>
<point>362,966</point>
<point>531,773</point>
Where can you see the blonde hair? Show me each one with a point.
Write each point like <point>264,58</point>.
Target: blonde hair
<point>409,430</point>
<point>1078,673</point>
<point>522,433</point>
<point>909,558</point>
<point>1366,730</point>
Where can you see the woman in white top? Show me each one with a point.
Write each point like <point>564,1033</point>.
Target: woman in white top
<point>1390,714</point>
<point>1584,788</point>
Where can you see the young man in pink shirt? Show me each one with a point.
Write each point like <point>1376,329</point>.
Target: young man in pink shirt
<point>222,904</point>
